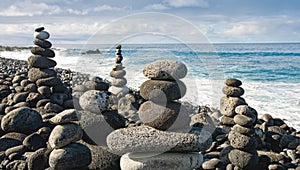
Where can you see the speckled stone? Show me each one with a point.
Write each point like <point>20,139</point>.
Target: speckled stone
<point>36,73</point>
<point>243,120</point>
<point>165,70</point>
<point>228,105</point>
<point>174,161</point>
<point>242,159</point>
<point>94,101</point>
<point>245,110</point>
<point>148,139</point>
<point>233,91</point>
<point>242,142</point>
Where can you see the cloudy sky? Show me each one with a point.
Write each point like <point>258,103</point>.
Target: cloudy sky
<point>75,21</point>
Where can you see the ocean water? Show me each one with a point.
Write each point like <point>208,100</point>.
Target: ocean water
<point>270,72</point>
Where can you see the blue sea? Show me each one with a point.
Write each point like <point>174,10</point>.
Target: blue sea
<point>270,72</point>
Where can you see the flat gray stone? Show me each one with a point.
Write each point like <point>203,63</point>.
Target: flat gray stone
<point>243,130</point>
<point>160,91</point>
<point>165,70</point>
<point>242,142</point>
<point>23,120</point>
<point>49,81</point>
<point>246,121</point>
<point>65,134</point>
<point>119,82</point>
<point>65,116</point>
<point>148,139</point>
<point>43,52</point>
<point>233,91</point>
<point>42,43</point>
<point>72,156</point>
<point>117,74</point>
<point>36,73</point>
<point>228,105</point>
<point>41,62</point>
<point>233,82</point>
<point>94,101</point>
<point>164,161</point>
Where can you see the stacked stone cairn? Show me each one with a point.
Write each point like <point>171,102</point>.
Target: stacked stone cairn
<point>228,103</point>
<point>118,84</point>
<point>161,142</point>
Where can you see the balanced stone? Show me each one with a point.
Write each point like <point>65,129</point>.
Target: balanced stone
<point>243,130</point>
<point>23,120</point>
<point>117,74</point>
<point>163,117</point>
<point>120,82</point>
<point>43,52</point>
<point>36,73</point>
<point>50,81</point>
<point>163,161</point>
<point>119,59</point>
<point>42,35</point>
<point>165,70</point>
<point>242,159</point>
<point>70,157</point>
<point>228,105</point>
<point>65,116</point>
<point>233,82</point>
<point>42,43</point>
<point>39,29</point>
<point>242,142</point>
<point>226,120</point>
<point>162,90</point>
<point>41,62</point>
<point>245,110</point>
<point>233,91</point>
<point>118,90</point>
<point>94,101</point>
<point>65,134</point>
<point>243,120</point>
<point>148,139</point>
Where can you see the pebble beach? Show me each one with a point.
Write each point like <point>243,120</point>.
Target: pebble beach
<point>59,119</point>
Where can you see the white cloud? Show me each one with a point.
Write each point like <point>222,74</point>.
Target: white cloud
<point>105,8</point>
<point>187,3</point>
<point>28,8</point>
<point>78,12</point>
<point>246,28</point>
<point>156,7</point>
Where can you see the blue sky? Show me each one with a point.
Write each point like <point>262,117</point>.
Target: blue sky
<point>75,21</point>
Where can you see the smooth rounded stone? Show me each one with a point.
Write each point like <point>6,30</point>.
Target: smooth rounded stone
<point>31,88</point>
<point>20,97</point>
<point>17,79</point>
<point>45,91</point>
<point>10,140</point>
<point>118,90</point>
<point>58,98</point>
<point>42,43</point>
<point>68,104</point>
<point>50,81</point>
<point>35,74</point>
<point>148,139</point>
<point>233,82</point>
<point>242,142</point>
<point>243,130</point>
<point>119,59</point>
<point>42,35</point>
<point>43,52</point>
<point>101,157</point>
<point>228,105</point>
<point>53,108</point>
<point>212,164</point>
<point>94,101</point>
<point>233,91</point>
<point>33,98</point>
<point>164,117</point>
<point>165,70</point>
<point>20,150</point>
<point>65,116</point>
<point>17,164</point>
<point>65,134</point>
<point>38,160</point>
<point>118,66</point>
<point>162,90</point>
<point>120,82</point>
<point>226,120</point>
<point>117,74</point>
<point>41,62</point>
<point>34,142</point>
<point>42,102</point>
<point>97,127</point>
<point>276,167</point>
<point>23,120</point>
<point>242,159</point>
<point>80,88</point>
<point>245,110</point>
<point>25,82</point>
<point>245,121</point>
<point>70,157</point>
<point>163,161</point>
<point>39,29</point>
<point>92,85</point>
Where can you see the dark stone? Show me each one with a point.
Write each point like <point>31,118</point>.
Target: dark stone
<point>50,81</point>
<point>92,85</point>
<point>233,82</point>
<point>38,160</point>
<point>226,120</point>
<point>45,91</point>
<point>42,43</point>
<point>20,97</point>
<point>42,102</point>
<point>41,62</point>
<point>10,140</point>
<point>36,73</point>
<point>242,159</point>
<point>60,89</point>
<point>20,150</point>
<point>233,91</point>
<point>17,165</point>
<point>53,108</point>
<point>30,88</point>
<point>42,51</point>
<point>117,74</point>
<point>39,29</point>
<point>33,98</point>
<point>58,98</point>
<point>34,142</point>
<point>160,91</point>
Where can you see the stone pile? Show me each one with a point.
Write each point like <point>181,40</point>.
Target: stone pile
<point>228,103</point>
<point>150,146</point>
<point>118,84</point>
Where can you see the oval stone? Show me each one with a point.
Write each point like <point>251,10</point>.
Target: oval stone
<point>50,81</point>
<point>120,82</point>
<point>42,35</point>
<point>36,73</point>
<point>147,139</point>
<point>45,52</point>
<point>65,116</point>
<point>245,110</point>
<point>41,62</point>
<point>163,117</point>
<point>117,74</point>
<point>233,82</point>
<point>160,91</point>
<point>65,134</point>
<point>228,105</point>
<point>23,120</point>
<point>165,70</point>
<point>242,142</point>
<point>42,43</point>
<point>243,159</point>
<point>233,91</point>
<point>244,120</point>
<point>70,157</point>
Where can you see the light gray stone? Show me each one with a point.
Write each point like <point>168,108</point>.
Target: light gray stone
<point>228,105</point>
<point>233,91</point>
<point>94,101</point>
<point>65,116</point>
<point>42,35</point>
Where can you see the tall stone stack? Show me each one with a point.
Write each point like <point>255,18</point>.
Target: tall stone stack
<point>162,142</point>
<point>44,77</point>
<point>228,103</point>
<point>241,138</point>
<point>118,87</point>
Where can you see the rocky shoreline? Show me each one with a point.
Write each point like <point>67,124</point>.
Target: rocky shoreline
<point>57,119</point>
